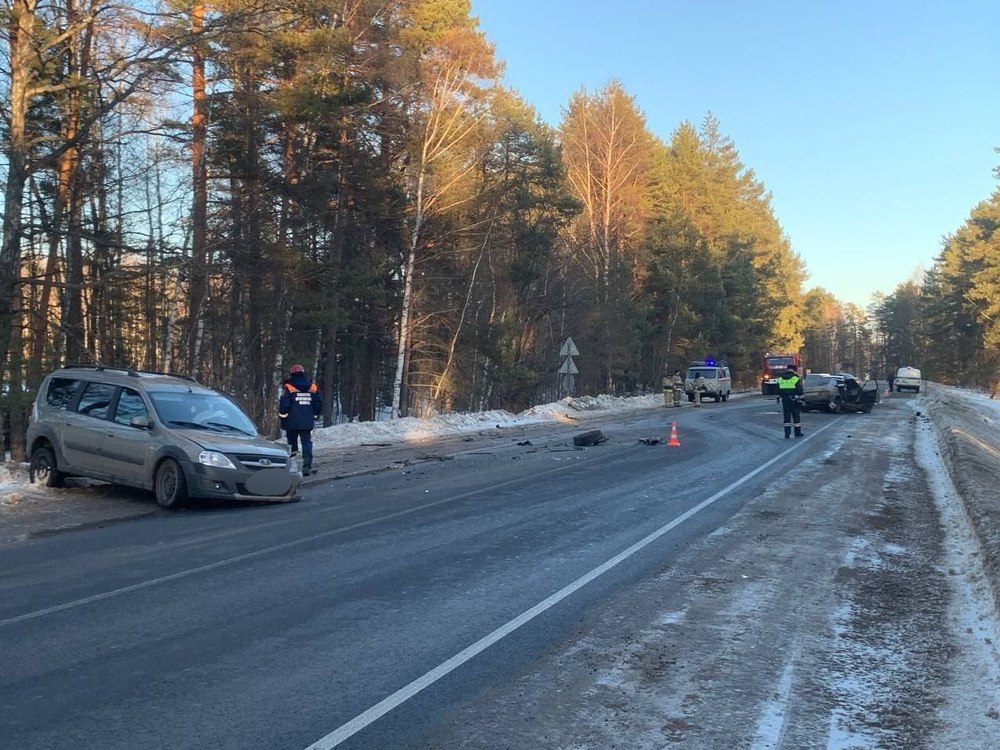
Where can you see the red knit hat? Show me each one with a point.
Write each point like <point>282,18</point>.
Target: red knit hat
<point>296,369</point>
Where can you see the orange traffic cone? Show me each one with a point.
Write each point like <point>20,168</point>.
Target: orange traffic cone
<point>673,436</point>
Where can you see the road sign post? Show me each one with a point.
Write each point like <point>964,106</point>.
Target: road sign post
<point>568,370</point>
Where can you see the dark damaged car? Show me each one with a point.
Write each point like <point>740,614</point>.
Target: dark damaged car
<point>838,392</point>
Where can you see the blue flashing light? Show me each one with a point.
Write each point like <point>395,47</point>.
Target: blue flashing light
<point>710,361</point>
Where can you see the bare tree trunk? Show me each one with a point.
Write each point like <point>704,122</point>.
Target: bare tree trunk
<point>73,326</point>
<point>77,64</point>
<point>335,262</point>
<point>199,207</point>
<point>404,317</point>
<point>453,344</point>
<point>54,229</point>
<point>16,397</point>
<point>20,29</point>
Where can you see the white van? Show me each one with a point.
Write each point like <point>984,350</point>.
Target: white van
<point>716,381</point>
<point>907,379</point>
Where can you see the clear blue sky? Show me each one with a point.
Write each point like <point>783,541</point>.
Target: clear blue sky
<point>872,122</point>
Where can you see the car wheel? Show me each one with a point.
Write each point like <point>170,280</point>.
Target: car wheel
<point>837,405</point>
<point>170,485</point>
<point>867,408</point>
<point>42,467</point>
<point>725,396</point>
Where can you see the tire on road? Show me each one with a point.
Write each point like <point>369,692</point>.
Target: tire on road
<point>591,437</point>
<point>42,467</point>
<point>170,485</point>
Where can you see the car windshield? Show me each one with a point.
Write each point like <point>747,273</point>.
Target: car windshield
<point>818,379</point>
<point>705,372</point>
<point>201,410</point>
<point>779,363</point>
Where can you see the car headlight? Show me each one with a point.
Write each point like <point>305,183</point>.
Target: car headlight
<point>293,465</point>
<point>216,459</point>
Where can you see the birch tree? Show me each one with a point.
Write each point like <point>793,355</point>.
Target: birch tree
<point>607,151</point>
<point>456,73</point>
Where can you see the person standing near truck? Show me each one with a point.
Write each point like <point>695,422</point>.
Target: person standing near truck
<point>697,385</point>
<point>790,392</point>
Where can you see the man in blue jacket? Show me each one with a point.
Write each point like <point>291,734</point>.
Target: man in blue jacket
<point>298,407</point>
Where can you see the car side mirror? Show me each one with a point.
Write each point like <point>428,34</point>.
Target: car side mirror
<point>143,423</point>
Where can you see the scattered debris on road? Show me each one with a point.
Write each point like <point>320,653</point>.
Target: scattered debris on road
<point>591,437</point>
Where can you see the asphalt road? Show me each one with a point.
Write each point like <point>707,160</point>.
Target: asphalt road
<point>740,590</point>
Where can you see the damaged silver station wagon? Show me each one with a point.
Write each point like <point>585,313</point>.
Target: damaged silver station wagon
<point>154,431</point>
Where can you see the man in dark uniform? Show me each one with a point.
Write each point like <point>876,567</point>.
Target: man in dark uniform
<point>789,392</point>
<point>298,407</point>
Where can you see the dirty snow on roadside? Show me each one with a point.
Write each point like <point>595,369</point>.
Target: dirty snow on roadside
<point>974,693</point>
<point>9,485</point>
<point>413,429</point>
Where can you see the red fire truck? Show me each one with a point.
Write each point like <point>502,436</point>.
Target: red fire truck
<point>774,365</point>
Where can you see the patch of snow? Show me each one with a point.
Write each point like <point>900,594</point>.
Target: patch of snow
<point>975,692</point>
<point>673,618</point>
<point>771,724</point>
<point>415,429</point>
<point>11,484</point>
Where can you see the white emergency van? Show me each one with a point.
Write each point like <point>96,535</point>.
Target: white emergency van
<point>716,382</point>
<point>907,379</point>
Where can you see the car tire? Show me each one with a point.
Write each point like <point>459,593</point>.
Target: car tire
<point>866,409</point>
<point>170,485</point>
<point>43,468</point>
<point>725,396</point>
<point>837,405</point>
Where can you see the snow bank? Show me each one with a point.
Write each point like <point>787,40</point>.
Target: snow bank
<point>967,431</point>
<point>413,429</point>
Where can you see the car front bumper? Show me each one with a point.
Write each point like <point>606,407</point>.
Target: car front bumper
<point>265,485</point>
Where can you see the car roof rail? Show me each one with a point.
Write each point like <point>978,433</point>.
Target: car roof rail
<point>128,371</point>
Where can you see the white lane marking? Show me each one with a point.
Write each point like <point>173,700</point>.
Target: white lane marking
<point>380,709</point>
<point>265,551</point>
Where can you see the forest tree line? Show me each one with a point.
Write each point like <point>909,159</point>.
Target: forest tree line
<point>222,189</point>
<point>948,321</point>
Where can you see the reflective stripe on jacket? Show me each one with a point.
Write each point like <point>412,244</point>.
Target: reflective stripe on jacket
<point>790,385</point>
<point>300,403</point>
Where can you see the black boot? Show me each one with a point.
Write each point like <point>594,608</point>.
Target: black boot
<point>788,432</point>
<point>307,468</point>
<point>798,431</point>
